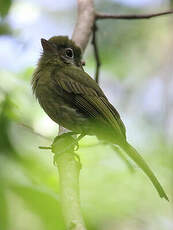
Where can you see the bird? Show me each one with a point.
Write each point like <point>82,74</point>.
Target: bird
<point>74,100</point>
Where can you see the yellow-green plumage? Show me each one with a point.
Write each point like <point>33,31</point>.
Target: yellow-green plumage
<point>75,101</point>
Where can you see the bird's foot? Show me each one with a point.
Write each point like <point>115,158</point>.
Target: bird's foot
<point>65,143</point>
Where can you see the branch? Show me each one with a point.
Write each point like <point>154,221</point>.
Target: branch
<point>96,52</point>
<point>67,164</point>
<point>84,24</point>
<point>99,16</point>
<point>69,168</point>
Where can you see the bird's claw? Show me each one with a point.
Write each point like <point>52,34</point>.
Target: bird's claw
<point>65,143</point>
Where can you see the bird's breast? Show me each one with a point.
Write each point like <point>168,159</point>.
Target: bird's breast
<point>58,106</point>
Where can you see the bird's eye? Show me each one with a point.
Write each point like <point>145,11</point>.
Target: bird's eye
<point>69,52</point>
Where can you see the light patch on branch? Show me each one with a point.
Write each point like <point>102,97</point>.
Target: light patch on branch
<point>84,23</point>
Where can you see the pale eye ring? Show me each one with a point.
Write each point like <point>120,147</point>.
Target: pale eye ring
<point>69,53</point>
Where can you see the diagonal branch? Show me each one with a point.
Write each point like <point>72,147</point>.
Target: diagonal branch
<point>68,167</point>
<point>84,23</point>
<point>99,16</point>
<point>96,52</point>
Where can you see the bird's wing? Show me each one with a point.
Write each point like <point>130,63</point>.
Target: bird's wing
<point>92,102</point>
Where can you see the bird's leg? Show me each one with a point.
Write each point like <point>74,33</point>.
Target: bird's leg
<point>77,147</point>
<point>78,139</point>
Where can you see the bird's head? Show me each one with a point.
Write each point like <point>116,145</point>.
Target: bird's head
<point>60,50</point>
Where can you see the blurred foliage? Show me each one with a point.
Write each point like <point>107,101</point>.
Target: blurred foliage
<point>4,28</point>
<point>136,74</point>
<point>4,7</point>
<point>122,42</point>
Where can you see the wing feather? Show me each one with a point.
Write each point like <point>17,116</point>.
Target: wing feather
<point>90,102</point>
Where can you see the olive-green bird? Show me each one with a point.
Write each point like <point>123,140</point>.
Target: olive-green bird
<point>74,100</point>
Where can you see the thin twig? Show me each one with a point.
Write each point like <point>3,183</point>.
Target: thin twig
<point>99,16</point>
<point>117,16</point>
<point>96,52</point>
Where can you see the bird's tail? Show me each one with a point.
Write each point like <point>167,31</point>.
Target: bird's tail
<point>132,153</point>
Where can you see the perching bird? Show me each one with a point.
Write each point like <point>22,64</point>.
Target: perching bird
<point>75,101</point>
